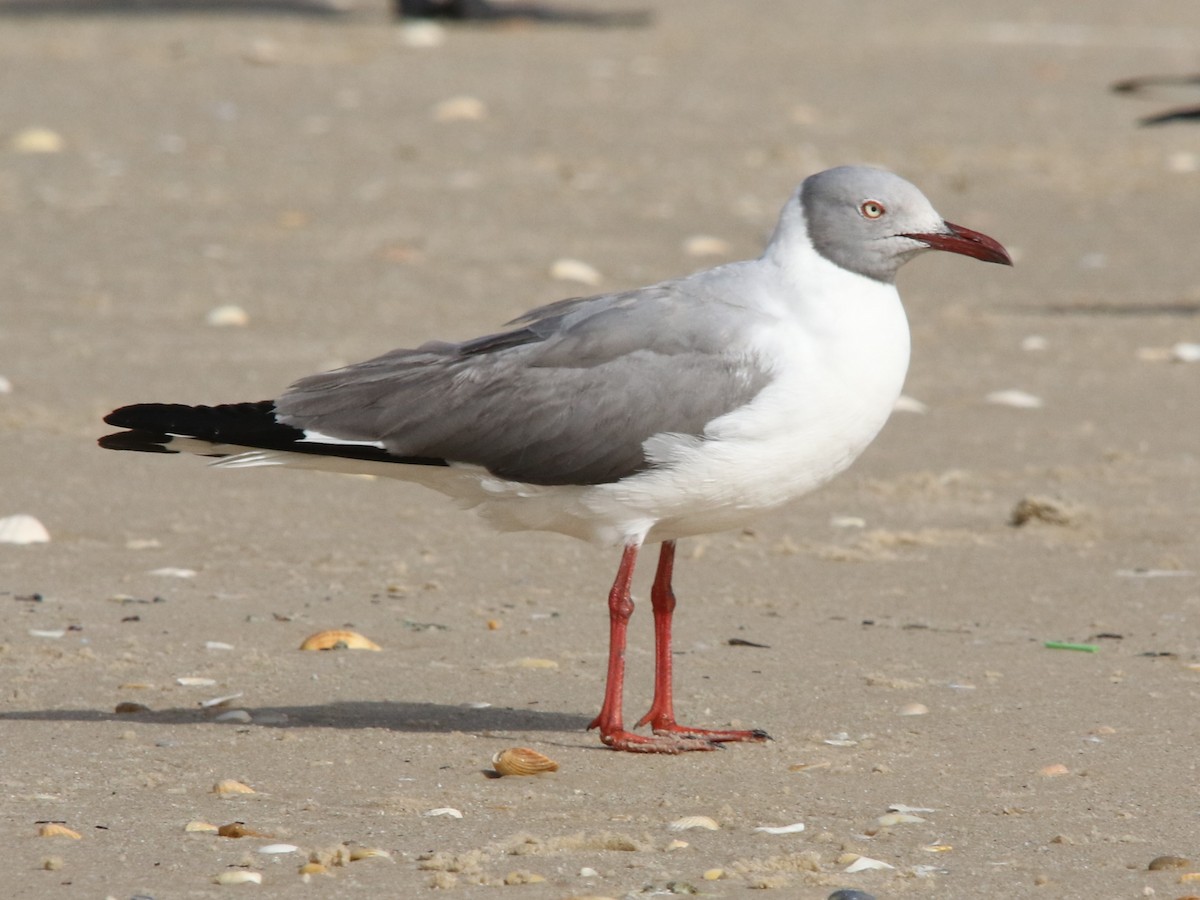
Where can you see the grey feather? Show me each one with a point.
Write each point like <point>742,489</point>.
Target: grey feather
<point>569,396</point>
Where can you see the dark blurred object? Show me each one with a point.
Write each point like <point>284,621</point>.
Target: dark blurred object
<point>1178,114</point>
<point>485,11</point>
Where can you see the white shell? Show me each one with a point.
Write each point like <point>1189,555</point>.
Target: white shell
<point>444,811</point>
<point>863,863</point>
<point>904,403</point>
<point>238,876</point>
<point>794,828</point>
<point>278,848</point>
<point>173,572</point>
<point>689,823</point>
<point>22,529</point>
<point>233,715</point>
<point>195,681</point>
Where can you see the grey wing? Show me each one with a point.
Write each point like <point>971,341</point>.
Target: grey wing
<point>568,398</point>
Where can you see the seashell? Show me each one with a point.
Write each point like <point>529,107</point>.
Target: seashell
<point>128,708</point>
<point>913,709</point>
<point>357,853</point>
<point>229,787</point>
<point>313,868</point>
<point>938,848</point>
<point>1053,770</point>
<point>443,811</point>
<point>863,863</point>
<point>220,701</point>
<point>713,874</point>
<point>5,385</point>
<point>567,269</point>
<point>794,828</point>
<point>53,863</point>
<point>338,639</point>
<point>233,715</point>
<point>238,876</point>
<point>278,848</point>
<point>53,633</point>
<point>22,529</point>
<point>1185,352</point>
<point>677,844</point>
<point>690,823</point>
<point>217,645</point>
<point>201,827</point>
<point>898,818</point>
<point>804,767</point>
<point>905,808</point>
<point>227,316</point>
<point>195,681</point>
<point>522,761</point>
<point>57,829</point>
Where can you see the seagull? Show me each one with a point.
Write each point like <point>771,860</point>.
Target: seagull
<point>687,407</point>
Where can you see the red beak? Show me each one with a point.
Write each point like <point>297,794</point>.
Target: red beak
<point>956,239</point>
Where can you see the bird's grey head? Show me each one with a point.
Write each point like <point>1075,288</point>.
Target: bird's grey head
<point>872,222</point>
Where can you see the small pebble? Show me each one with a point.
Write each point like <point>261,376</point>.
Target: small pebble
<point>913,709</point>
<point>1014,398</point>
<point>1054,770</point>
<point>37,140</point>
<point>705,245</point>
<point>460,109</point>
<point>1034,342</point>
<point>1168,862</point>
<point>576,270</point>
<point>422,35</point>
<point>851,894</point>
<point>53,863</point>
<point>129,708</point>
<point>227,316</point>
<point>230,787</point>
<point>239,716</point>
<point>908,404</point>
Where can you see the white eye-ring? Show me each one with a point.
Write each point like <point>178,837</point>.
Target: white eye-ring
<point>872,209</point>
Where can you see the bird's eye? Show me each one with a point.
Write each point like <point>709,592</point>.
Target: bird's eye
<point>872,209</point>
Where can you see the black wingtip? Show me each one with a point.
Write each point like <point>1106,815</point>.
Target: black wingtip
<point>139,441</point>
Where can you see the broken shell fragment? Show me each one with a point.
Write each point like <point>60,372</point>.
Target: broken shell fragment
<point>229,787</point>
<point>238,876</point>
<point>358,853</point>
<point>689,823</point>
<point>278,848</point>
<point>57,829</point>
<point>443,811</point>
<point>794,828</point>
<point>201,827</point>
<point>313,868</point>
<point>863,863</point>
<point>522,761</point>
<point>338,639</point>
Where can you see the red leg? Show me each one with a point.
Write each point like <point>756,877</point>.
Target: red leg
<point>661,716</point>
<point>610,721</point>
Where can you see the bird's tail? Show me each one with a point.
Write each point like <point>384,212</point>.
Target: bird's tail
<point>244,434</point>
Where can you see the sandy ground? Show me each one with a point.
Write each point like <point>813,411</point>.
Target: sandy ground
<point>304,169</point>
